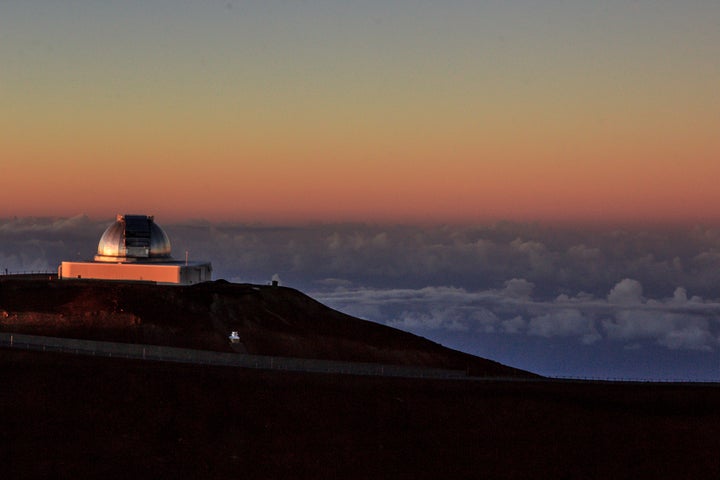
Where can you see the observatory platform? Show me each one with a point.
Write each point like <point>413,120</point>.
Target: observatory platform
<point>135,248</point>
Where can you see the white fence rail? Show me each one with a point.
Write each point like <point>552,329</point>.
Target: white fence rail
<point>206,357</point>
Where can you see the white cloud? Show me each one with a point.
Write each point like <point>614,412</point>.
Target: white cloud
<point>624,316</point>
<point>516,324</point>
<point>334,282</point>
<point>675,330</point>
<point>693,337</point>
<point>565,322</point>
<point>34,226</point>
<point>518,288</point>
<point>626,292</point>
<point>449,320</point>
<point>680,296</point>
<point>484,320</point>
<point>584,253</point>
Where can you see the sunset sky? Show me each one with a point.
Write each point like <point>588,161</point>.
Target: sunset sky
<point>405,111</point>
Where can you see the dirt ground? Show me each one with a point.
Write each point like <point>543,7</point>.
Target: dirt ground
<point>270,321</point>
<point>64,416</point>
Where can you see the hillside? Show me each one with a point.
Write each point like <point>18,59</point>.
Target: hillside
<point>270,320</point>
<point>71,416</point>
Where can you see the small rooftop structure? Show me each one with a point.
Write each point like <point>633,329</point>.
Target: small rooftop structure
<point>135,248</point>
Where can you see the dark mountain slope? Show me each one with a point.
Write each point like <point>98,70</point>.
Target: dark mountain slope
<point>69,417</point>
<point>72,416</point>
<point>270,321</point>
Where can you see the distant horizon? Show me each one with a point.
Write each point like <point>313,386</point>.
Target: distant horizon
<point>281,221</point>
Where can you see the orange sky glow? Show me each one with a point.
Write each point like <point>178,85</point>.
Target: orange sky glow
<point>583,114</point>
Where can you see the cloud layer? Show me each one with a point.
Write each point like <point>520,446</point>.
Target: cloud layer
<point>624,315</point>
<point>555,260</point>
<point>587,287</point>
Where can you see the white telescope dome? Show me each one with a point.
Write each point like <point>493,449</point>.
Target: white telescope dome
<point>133,238</point>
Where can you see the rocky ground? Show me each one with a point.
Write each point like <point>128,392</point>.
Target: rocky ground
<point>270,321</point>
<point>67,416</point>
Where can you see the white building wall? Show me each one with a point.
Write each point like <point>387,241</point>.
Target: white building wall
<point>160,273</point>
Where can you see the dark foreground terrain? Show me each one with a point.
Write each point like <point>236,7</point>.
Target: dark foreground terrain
<point>65,416</point>
<point>68,416</point>
<point>275,321</point>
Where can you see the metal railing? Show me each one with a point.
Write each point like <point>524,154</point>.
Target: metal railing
<point>207,357</point>
<point>26,273</point>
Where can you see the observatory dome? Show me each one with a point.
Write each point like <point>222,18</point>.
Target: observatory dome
<point>133,238</point>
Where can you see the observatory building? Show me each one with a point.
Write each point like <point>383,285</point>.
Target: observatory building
<point>135,248</point>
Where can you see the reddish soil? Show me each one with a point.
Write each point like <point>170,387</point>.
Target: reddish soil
<point>270,321</point>
<point>66,416</point>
